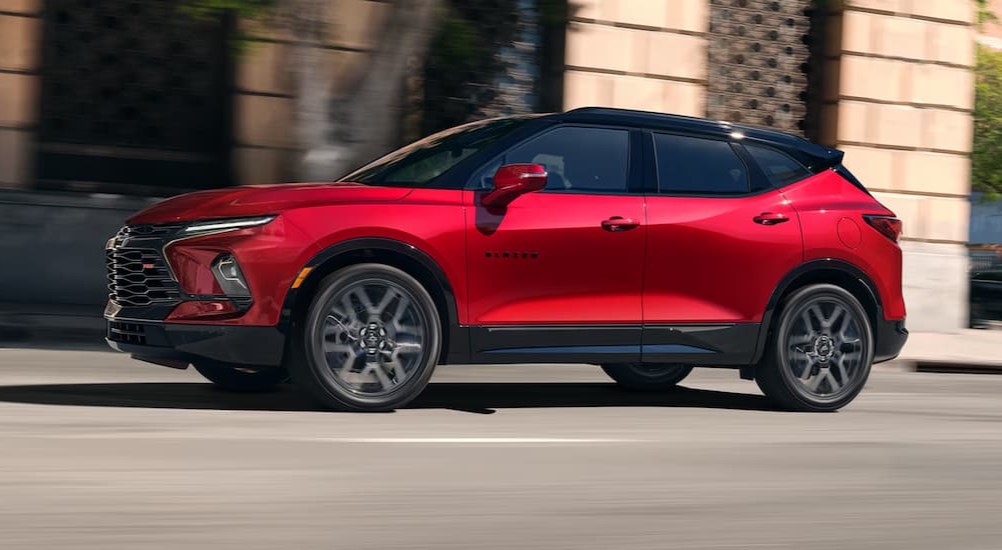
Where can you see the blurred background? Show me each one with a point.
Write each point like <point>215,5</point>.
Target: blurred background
<point>109,105</point>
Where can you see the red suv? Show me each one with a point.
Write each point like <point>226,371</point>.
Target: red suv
<point>644,243</point>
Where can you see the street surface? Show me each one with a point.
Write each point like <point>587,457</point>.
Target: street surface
<point>98,451</point>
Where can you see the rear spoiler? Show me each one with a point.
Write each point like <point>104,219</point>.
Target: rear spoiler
<point>818,159</point>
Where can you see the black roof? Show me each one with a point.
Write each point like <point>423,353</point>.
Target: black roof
<point>718,128</point>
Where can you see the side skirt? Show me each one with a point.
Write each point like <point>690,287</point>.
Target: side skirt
<point>703,345</point>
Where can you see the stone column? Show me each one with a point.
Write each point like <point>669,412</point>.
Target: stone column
<point>638,54</point>
<point>900,102</point>
<point>264,117</point>
<point>20,46</point>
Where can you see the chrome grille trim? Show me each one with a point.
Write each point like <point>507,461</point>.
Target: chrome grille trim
<point>138,275</point>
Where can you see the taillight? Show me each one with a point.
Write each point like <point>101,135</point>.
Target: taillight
<point>888,226</point>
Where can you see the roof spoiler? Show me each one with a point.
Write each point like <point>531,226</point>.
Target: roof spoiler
<point>818,158</point>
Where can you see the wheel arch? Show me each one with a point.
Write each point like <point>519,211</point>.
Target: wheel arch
<point>403,256</point>
<point>831,271</point>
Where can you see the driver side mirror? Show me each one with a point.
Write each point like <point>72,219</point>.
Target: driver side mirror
<point>512,181</point>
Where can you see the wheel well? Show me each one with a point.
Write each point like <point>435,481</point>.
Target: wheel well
<point>845,278</point>
<point>852,283</point>
<point>399,260</point>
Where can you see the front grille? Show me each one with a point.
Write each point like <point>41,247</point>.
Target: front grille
<point>140,277</point>
<point>127,333</point>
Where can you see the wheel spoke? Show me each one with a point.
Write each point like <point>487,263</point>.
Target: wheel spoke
<point>816,312</point>
<point>801,339</point>
<point>832,321</point>
<point>350,312</point>
<point>842,370</point>
<point>814,381</point>
<point>362,295</point>
<point>351,354</point>
<point>808,369</point>
<point>380,375</point>
<point>407,347</point>
<point>833,384</point>
<point>399,374</point>
<point>402,306</point>
<point>808,322</point>
<point>385,302</point>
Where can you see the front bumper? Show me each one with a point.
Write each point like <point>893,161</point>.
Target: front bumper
<point>891,337</point>
<point>180,345</point>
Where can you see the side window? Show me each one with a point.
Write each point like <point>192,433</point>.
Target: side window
<point>780,168</point>
<point>699,166</point>
<point>577,159</point>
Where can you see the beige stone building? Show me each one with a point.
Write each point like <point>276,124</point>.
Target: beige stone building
<point>897,97</point>
<point>890,82</point>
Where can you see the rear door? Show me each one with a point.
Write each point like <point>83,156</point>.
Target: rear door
<point>720,238</point>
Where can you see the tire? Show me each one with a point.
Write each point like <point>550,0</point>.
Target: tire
<point>820,351</point>
<point>640,377</point>
<point>368,342</point>
<point>241,379</point>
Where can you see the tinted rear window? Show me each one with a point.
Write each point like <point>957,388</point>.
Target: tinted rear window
<point>698,166</point>
<point>780,169</point>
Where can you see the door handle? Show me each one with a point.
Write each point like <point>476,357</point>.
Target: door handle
<point>770,218</point>
<point>616,224</point>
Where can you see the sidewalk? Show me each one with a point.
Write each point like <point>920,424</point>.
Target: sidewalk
<point>961,351</point>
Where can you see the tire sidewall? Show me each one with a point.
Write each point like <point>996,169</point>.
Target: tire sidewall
<point>780,352</point>
<point>310,368</point>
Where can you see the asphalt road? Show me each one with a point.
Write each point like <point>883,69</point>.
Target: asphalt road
<point>99,452</point>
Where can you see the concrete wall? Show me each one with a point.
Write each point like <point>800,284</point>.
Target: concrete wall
<point>52,273</point>
<point>900,106</point>
<point>638,54</point>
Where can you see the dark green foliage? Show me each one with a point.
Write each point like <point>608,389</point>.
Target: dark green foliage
<point>986,168</point>
<point>463,63</point>
<point>247,9</point>
<point>985,13</point>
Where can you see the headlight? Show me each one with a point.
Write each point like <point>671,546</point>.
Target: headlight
<point>227,225</point>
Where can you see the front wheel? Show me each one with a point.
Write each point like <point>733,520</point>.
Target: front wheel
<point>369,341</point>
<point>647,377</point>
<point>820,353</point>
<point>237,378</point>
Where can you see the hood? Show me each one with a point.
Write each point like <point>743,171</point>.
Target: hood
<point>257,200</point>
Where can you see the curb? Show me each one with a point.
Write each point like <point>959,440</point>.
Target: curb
<point>940,366</point>
<point>954,367</point>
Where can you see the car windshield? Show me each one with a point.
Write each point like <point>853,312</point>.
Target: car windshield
<point>419,163</point>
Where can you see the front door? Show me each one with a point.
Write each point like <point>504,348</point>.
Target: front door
<point>559,272</point>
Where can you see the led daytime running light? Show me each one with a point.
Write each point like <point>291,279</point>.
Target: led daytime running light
<point>226,225</point>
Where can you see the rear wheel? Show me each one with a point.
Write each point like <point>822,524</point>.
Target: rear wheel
<point>647,377</point>
<point>239,378</point>
<point>369,341</point>
<point>820,353</point>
